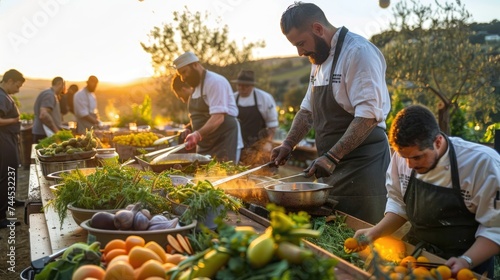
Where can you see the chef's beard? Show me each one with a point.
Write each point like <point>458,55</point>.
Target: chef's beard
<point>321,51</point>
<point>193,79</point>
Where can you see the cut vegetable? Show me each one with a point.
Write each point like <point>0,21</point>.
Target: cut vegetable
<point>174,243</point>
<point>189,244</point>
<point>183,244</point>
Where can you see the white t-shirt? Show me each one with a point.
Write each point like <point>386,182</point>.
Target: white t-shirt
<point>479,173</point>
<point>265,104</point>
<point>362,90</point>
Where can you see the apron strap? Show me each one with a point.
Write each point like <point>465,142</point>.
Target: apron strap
<point>338,48</point>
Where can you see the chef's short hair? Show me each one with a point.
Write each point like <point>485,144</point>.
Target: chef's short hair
<point>415,125</point>
<point>301,16</point>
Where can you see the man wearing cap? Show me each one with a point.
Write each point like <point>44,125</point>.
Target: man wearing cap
<point>212,110</point>
<point>257,115</point>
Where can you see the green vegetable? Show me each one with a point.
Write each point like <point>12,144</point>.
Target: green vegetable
<point>73,257</point>
<point>201,198</point>
<point>111,187</point>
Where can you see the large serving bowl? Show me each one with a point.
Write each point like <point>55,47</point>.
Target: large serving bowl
<point>159,236</point>
<point>58,175</point>
<point>49,167</point>
<point>82,214</point>
<point>298,195</point>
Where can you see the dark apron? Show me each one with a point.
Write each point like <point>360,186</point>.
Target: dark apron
<point>251,121</point>
<point>359,179</point>
<point>223,142</point>
<point>440,221</point>
<point>9,160</point>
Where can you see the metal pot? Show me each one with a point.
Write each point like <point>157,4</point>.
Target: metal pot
<point>298,195</point>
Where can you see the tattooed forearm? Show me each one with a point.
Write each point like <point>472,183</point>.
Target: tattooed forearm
<point>355,134</point>
<point>301,125</point>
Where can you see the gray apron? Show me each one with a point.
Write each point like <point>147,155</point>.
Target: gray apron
<point>440,221</point>
<point>359,179</point>
<point>252,122</point>
<point>222,143</point>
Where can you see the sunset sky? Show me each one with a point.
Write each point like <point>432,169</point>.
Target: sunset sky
<point>78,38</point>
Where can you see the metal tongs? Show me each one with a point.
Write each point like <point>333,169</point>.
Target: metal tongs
<point>165,155</point>
<point>281,179</point>
<point>241,174</point>
<point>154,153</point>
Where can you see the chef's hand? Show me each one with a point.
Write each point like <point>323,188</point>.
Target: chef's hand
<point>184,134</point>
<point>192,140</point>
<point>320,167</point>
<point>455,264</point>
<point>281,154</point>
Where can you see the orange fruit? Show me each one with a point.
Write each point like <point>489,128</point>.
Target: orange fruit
<point>139,255</point>
<point>134,240</point>
<point>114,253</point>
<point>351,243</point>
<point>443,271</point>
<point>114,244</point>
<point>149,269</point>
<point>155,247</point>
<point>422,259</point>
<point>176,258</point>
<point>421,273</point>
<point>117,258</point>
<point>120,270</point>
<point>401,269</point>
<point>88,271</point>
<point>396,276</point>
<point>408,259</point>
<point>465,274</point>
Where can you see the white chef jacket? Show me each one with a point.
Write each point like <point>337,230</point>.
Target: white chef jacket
<point>479,173</point>
<point>218,94</point>
<point>362,90</point>
<point>265,104</point>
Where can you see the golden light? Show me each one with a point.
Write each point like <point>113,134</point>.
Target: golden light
<point>282,112</point>
<point>477,127</point>
<point>290,109</point>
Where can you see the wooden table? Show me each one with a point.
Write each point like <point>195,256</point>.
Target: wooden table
<point>48,235</point>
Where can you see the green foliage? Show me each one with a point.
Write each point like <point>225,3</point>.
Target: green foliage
<point>430,57</point>
<point>489,136</point>
<point>110,187</point>
<point>58,137</point>
<point>141,114</point>
<point>27,116</point>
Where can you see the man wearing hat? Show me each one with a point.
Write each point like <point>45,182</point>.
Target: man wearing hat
<point>212,111</point>
<point>257,115</point>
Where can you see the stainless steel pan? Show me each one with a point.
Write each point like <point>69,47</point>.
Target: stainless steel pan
<point>298,195</point>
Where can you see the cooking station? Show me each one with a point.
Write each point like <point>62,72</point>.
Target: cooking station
<point>47,236</point>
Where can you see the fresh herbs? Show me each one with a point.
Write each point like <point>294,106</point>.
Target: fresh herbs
<point>111,187</point>
<point>202,198</point>
<point>333,233</point>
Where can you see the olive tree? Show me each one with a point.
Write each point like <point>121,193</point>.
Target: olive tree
<point>189,31</point>
<point>431,61</point>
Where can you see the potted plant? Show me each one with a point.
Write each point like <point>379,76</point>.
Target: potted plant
<point>110,187</point>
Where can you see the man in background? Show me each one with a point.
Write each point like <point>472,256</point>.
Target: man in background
<point>258,119</point>
<point>85,107</point>
<point>70,95</point>
<point>212,111</point>
<point>47,111</point>
<point>10,127</point>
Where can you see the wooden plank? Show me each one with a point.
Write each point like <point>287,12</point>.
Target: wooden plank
<point>34,187</point>
<point>39,237</point>
<point>60,235</point>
